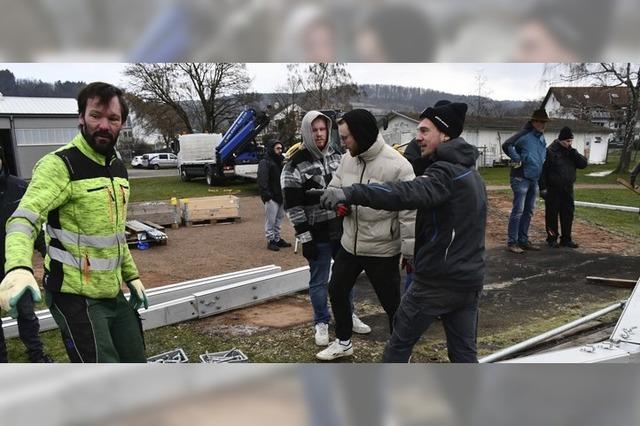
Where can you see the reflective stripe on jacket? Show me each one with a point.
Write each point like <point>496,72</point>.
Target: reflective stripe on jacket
<point>84,202</point>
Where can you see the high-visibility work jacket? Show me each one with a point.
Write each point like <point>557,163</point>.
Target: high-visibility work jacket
<point>83,201</point>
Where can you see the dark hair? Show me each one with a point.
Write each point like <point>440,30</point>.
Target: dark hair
<point>104,92</point>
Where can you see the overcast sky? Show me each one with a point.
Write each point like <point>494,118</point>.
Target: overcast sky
<point>503,80</point>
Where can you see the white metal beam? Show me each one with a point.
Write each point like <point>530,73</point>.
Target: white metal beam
<point>160,295</point>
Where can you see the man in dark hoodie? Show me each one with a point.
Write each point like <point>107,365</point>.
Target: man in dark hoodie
<point>556,187</point>
<point>450,229</point>
<point>372,240</point>
<point>269,171</point>
<point>527,150</point>
<point>11,191</point>
<point>319,230</point>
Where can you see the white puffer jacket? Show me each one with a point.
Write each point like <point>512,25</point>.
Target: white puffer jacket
<point>369,232</point>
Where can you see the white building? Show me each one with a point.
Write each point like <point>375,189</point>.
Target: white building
<point>602,106</point>
<point>488,134</point>
<point>32,127</point>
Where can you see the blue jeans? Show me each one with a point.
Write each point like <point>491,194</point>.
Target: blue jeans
<point>273,215</point>
<point>524,201</point>
<point>420,307</point>
<point>319,281</point>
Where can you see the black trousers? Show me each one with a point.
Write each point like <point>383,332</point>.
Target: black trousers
<point>384,275</point>
<point>28,329</point>
<point>559,203</point>
<point>421,306</point>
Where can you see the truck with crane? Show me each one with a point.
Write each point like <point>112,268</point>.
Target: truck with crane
<point>217,157</point>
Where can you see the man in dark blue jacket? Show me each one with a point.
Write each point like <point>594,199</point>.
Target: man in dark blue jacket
<point>269,171</point>
<point>11,191</point>
<point>450,230</point>
<point>527,150</point>
<point>556,186</point>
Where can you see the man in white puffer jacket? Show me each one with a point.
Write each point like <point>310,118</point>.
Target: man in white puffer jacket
<point>372,240</point>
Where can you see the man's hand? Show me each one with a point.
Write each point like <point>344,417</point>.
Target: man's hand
<point>407,264</point>
<point>515,164</point>
<point>309,250</point>
<point>332,197</point>
<point>343,210</point>
<point>13,286</point>
<point>138,297</point>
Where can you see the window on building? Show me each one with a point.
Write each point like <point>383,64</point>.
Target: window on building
<point>31,137</point>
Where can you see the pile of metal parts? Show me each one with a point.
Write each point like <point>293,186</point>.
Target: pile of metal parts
<point>176,356</point>
<point>233,355</point>
<point>622,346</point>
<point>142,232</point>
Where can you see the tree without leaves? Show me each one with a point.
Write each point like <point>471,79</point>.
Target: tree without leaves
<point>203,95</point>
<point>614,75</point>
<point>152,117</point>
<point>328,85</point>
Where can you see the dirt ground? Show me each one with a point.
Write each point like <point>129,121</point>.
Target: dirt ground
<point>203,251</point>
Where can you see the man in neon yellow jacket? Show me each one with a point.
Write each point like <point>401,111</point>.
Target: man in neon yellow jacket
<point>81,191</point>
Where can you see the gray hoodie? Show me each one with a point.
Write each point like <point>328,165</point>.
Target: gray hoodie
<point>310,168</point>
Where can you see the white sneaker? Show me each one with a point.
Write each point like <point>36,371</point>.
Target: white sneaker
<point>322,334</point>
<point>335,350</point>
<point>358,326</point>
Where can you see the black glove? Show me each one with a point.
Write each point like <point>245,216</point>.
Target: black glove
<point>309,250</point>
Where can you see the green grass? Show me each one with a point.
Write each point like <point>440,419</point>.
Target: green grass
<point>619,197</point>
<point>500,175</point>
<point>163,188</point>
<point>617,221</point>
<point>621,222</point>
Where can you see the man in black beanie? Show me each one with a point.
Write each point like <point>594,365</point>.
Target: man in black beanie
<point>450,230</point>
<point>372,240</point>
<point>556,187</point>
<point>413,152</point>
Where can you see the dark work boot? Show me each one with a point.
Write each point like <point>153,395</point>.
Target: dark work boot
<point>273,246</point>
<point>569,244</point>
<point>282,243</point>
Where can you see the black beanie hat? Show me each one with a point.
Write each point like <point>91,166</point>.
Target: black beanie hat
<point>363,127</point>
<point>448,118</point>
<point>565,133</point>
<point>441,103</point>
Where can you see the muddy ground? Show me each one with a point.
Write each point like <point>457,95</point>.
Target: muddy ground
<point>524,294</point>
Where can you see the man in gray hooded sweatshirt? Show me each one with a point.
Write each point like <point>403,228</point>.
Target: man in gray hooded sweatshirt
<point>319,230</point>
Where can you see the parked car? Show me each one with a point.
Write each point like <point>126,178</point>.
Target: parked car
<point>162,160</point>
<point>136,162</point>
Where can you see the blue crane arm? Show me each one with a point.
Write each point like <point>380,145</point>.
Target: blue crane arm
<point>243,130</point>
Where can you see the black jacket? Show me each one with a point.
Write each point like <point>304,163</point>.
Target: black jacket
<point>559,169</point>
<point>11,191</point>
<point>452,212</point>
<point>269,171</point>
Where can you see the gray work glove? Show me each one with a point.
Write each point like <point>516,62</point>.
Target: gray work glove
<point>329,197</point>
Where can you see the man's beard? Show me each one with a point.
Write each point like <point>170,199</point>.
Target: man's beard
<point>101,148</point>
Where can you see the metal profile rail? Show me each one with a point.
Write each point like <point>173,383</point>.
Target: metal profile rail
<point>160,295</point>
<point>222,299</point>
<point>607,206</point>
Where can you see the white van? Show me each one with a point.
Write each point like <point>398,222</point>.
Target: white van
<point>156,160</point>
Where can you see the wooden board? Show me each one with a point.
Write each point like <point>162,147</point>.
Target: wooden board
<point>159,212</point>
<point>628,185</point>
<point>210,208</point>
